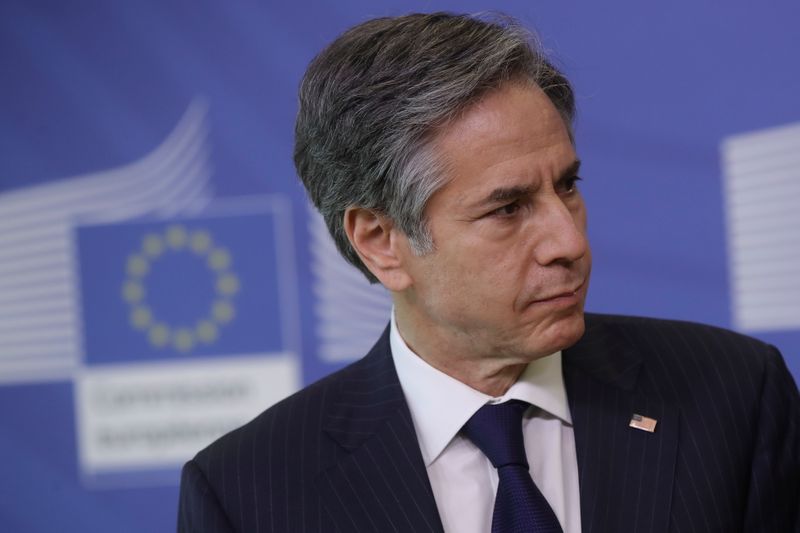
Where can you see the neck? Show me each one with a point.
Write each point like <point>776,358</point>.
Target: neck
<point>459,357</point>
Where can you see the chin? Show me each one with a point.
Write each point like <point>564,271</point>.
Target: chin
<point>563,333</point>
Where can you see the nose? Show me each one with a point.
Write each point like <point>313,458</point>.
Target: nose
<point>561,233</point>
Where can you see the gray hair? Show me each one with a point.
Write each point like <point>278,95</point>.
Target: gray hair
<point>371,102</point>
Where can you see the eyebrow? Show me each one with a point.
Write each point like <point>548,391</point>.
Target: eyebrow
<point>509,194</point>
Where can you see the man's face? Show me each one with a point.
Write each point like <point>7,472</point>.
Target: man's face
<point>509,274</point>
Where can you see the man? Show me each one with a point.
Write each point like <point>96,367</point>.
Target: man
<point>439,150</point>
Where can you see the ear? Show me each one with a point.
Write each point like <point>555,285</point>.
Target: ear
<point>379,245</point>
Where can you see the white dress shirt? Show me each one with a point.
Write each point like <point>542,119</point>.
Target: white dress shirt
<point>464,482</point>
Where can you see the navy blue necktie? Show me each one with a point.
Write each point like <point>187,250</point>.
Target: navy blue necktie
<point>519,506</point>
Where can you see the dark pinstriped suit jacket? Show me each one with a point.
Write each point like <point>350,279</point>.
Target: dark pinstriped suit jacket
<point>342,454</point>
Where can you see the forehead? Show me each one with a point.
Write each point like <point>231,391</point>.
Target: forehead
<point>514,133</point>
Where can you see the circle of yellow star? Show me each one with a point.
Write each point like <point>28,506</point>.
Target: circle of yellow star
<point>139,265</point>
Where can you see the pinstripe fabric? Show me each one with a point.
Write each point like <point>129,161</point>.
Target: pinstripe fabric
<point>725,456</point>
<point>342,455</point>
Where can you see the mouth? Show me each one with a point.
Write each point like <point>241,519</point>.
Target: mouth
<point>567,297</point>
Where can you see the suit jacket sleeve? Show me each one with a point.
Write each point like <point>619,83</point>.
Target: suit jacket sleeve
<point>773,502</point>
<point>199,509</point>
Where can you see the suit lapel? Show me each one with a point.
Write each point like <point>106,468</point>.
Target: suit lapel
<point>625,473</point>
<point>379,482</point>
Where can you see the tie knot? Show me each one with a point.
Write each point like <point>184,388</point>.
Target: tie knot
<point>497,430</point>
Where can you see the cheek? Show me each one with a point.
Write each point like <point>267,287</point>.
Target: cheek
<point>474,270</point>
<point>485,262</point>
<point>454,279</point>
<point>579,214</point>
<point>495,276</point>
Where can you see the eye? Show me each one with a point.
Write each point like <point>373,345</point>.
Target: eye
<point>568,185</point>
<point>506,211</point>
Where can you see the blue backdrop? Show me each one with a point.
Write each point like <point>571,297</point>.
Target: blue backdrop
<point>151,225</point>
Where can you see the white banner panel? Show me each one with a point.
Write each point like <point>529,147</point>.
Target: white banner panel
<point>150,416</point>
<point>761,173</point>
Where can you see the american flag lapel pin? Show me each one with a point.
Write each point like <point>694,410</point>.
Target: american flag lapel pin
<point>643,422</point>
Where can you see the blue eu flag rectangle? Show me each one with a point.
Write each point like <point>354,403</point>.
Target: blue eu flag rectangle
<point>172,289</point>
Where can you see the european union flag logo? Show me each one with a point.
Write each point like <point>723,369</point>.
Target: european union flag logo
<point>180,288</point>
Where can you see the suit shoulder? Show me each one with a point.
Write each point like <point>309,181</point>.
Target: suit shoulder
<point>299,413</point>
<point>682,344</point>
<point>679,332</point>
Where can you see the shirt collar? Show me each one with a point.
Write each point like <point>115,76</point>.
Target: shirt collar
<point>440,405</point>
